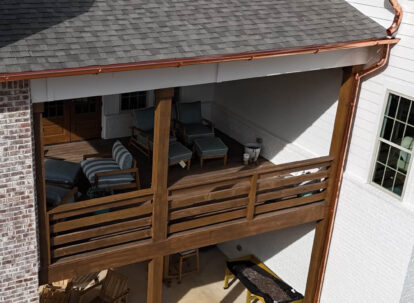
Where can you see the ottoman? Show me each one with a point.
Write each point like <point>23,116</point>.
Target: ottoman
<point>210,148</point>
<point>178,152</point>
<point>62,172</point>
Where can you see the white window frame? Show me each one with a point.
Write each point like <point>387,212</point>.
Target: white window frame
<point>129,110</point>
<point>378,140</point>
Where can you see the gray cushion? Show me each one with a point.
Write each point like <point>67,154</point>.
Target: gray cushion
<point>55,195</point>
<point>92,166</point>
<point>210,146</point>
<point>58,171</point>
<point>144,118</point>
<point>121,155</point>
<point>193,131</point>
<point>189,113</point>
<point>178,152</point>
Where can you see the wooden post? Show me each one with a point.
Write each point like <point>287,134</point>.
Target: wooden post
<point>252,197</point>
<point>44,234</point>
<point>338,149</point>
<point>159,184</point>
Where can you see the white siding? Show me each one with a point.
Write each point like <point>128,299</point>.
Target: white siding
<point>374,232</point>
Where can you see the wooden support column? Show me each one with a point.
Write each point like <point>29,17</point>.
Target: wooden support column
<point>44,234</point>
<point>338,149</point>
<point>162,122</point>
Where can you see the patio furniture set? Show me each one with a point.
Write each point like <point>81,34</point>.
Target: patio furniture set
<point>190,133</point>
<point>118,170</point>
<point>105,173</point>
<point>111,287</point>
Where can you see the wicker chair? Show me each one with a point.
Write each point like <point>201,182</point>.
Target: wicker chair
<point>114,289</point>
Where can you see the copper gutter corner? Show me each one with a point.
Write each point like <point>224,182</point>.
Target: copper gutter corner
<point>397,18</point>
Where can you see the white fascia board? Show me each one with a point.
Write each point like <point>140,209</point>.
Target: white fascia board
<point>61,88</point>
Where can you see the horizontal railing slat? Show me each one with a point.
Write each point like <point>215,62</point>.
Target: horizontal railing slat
<point>143,209</point>
<point>204,209</point>
<point>291,191</point>
<point>101,243</point>
<point>274,182</point>
<point>86,210</point>
<point>260,209</point>
<point>198,198</point>
<point>101,201</point>
<point>208,220</point>
<point>100,231</point>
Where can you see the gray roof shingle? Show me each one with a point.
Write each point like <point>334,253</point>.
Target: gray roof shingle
<point>54,34</point>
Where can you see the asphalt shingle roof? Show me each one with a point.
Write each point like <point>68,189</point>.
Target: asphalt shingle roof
<point>53,34</point>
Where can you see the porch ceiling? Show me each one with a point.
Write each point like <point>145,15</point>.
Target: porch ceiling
<point>60,34</point>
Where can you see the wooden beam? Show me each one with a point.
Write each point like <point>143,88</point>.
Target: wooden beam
<point>338,150</point>
<point>162,120</point>
<point>155,276</point>
<point>145,250</point>
<point>44,234</point>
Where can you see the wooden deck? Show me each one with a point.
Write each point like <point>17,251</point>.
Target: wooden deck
<point>206,206</point>
<point>74,152</point>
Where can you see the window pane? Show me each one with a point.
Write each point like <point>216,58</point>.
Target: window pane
<point>407,142</point>
<point>399,184</point>
<point>383,152</point>
<point>403,161</point>
<point>403,109</point>
<point>389,177</point>
<point>393,157</point>
<point>387,128</point>
<point>398,132</point>
<point>392,105</point>
<point>378,173</point>
<point>411,117</point>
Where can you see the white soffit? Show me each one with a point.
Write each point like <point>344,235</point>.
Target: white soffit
<point>61,88</point>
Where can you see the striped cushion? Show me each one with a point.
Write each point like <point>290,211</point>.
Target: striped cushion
<point>92,166</point>
<point>121,155</point>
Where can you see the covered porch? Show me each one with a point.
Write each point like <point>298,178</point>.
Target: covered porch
<point>175,209</point>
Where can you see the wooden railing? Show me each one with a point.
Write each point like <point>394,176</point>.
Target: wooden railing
<point>102,223</point>
<point>246,194</point>
<point>99,223</point>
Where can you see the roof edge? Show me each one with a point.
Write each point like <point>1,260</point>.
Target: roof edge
<point>97,69</point>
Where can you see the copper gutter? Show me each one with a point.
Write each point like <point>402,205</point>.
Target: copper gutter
<point>191,61</point>
<point>397,17</point>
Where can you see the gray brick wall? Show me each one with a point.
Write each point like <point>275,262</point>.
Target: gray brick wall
<point>18,242</point>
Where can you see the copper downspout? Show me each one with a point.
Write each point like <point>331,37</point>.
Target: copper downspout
<point>191,61</point>
<point>397,17</point>
<point>385,52</point>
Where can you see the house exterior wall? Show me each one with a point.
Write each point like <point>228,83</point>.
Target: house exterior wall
<point>18,246</point>
<point>371,253</point>
<point>294,115</point>
<point>117,123</point>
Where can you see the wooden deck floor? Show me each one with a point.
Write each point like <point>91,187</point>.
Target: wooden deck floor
<point>74,152</point>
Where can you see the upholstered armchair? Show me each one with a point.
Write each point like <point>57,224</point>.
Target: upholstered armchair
<point>191,124</point>
<point>117,170</point>
<point>142,137</point>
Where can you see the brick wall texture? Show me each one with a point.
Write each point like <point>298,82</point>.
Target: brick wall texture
<point>18,236</point>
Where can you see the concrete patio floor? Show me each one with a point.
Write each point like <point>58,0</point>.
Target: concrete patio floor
<point>203,287</point>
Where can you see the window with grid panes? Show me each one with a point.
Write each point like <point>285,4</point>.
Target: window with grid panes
<point>133,100</point>
<point>53,109</point>
<point>395,146</point>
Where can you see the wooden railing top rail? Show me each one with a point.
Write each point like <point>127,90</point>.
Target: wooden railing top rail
<point>101,201</point>
<point>226,176</point>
